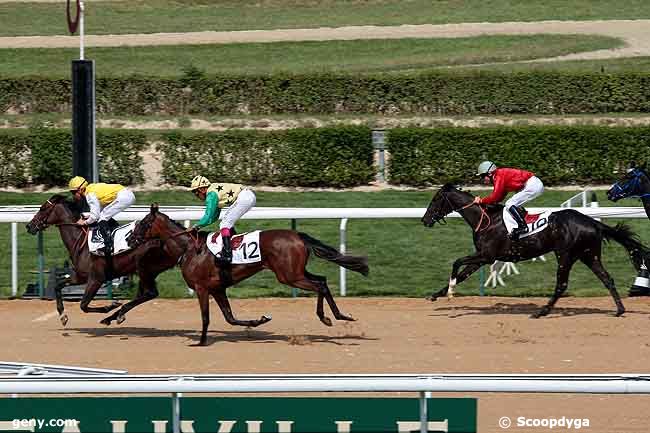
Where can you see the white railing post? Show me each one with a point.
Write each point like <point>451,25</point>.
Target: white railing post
<point>424,416</point>
<point>176,412</point>
<point>342,281</point>
<point>14,259</point>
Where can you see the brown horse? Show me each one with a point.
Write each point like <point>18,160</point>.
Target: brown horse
<point>91,269</point>
<point>285,252</point>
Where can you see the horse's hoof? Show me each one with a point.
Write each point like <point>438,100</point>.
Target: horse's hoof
<point>107,321</point>
<point>201,343</point>
<point>120,319</point>
<point>266,318</point>
<point>538,315</point>
<point>326,321</point>
<point>619,313</point>
<point>64,319</point>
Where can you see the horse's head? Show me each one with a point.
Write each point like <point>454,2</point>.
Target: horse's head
<point>156,225</point>
<point>636,183</point>
<point>442,204</point>
<point>56,210</point>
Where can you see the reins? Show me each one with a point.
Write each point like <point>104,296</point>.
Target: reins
<point>484,214</point>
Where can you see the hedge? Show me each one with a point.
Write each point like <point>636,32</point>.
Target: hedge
<point>445,93</point>
<point>559,155</point>
<point>331,157</point>
<point>14,159</point>
<point>323,157</point>
<point>43,155</point>
<point>334,157</point>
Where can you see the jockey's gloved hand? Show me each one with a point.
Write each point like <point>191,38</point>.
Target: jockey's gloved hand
<point>194,228</point>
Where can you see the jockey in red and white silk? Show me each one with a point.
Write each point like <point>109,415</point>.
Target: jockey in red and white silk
<point>526,185</point>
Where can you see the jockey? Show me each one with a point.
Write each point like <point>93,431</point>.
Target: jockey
<point>216,196</point>
<point>105,201</point>
<point>526,185</point>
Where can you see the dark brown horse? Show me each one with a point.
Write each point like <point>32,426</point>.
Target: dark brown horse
<point>571,235</point>
<point>285,252</point>
<point>91,269</point>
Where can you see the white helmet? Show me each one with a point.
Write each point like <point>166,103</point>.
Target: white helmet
<point>199,182</point>
<point>486,167</point>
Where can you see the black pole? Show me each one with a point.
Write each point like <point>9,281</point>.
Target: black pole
<point>83,120</point>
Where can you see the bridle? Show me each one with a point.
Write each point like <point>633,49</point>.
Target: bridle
<point>484,214</point>
<point>147,226</point>
<point>630,187</point>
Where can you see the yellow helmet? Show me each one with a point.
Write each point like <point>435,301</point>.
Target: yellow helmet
<point>199,182</point>
<point>76,183</point>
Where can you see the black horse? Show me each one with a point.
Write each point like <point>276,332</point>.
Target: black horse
<point>570,235</point>
<point>636,184</point>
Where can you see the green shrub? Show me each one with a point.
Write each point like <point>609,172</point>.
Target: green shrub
<point>50,159</point>
<point>14,159</point>
<point>558,155</point>
<point>337,156</point>
<point>446,93</point>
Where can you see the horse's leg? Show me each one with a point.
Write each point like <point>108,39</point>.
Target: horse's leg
<point>596,266</point>
<point>204,303</point>
<point>63,316</point>
<point>146,292</point>
<point>462,276</point>
<point>89,294</point>
<point>222,299</point>
<point>325,292</point>
<point>564,263</point>
<point>467,261</point>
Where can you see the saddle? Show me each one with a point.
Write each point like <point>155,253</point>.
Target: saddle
<point>119,234</point>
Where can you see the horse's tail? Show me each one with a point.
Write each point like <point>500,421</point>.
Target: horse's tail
<point>353,263</point>
<point>623,234</point>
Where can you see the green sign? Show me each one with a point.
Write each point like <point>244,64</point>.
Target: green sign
<point>236,415</point>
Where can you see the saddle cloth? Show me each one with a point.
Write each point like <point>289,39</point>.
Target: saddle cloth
<point>536,222</point>
<point>96,243</point>
<point>245,247</point>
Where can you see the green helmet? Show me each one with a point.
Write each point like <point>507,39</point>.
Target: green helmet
<point>486,167</point>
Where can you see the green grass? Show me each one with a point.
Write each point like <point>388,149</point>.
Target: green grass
<point>152,16</point>
<point>609,66</point>
<point>358,56</point>
<point>406,259</point>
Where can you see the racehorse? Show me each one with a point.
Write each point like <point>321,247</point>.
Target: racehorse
<point>91,269</point>
<point>285,252</point>
<point>636,183</point>
<point>570,235</point>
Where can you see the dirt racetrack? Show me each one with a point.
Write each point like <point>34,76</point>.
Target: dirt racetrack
<point>392,335</point>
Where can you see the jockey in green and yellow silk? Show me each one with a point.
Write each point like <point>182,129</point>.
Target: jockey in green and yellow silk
<point>231,198</point>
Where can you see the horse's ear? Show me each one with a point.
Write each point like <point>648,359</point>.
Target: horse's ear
<point>154,207</point>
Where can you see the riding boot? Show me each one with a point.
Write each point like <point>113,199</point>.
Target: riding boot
<point>519,214</point>
<point>226,252</point>
<point>104,229</point>
<point>225,261</point>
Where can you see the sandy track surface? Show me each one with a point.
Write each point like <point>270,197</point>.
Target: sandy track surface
<point>636,34</point>
<point>392,335</point>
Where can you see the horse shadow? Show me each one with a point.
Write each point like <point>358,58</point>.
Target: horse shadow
<point>244,335</point>
<point>524,308</point>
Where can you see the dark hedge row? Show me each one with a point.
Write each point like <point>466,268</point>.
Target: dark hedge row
<point>559,155</point>
<point>331,157</point>
<point>457,93</point>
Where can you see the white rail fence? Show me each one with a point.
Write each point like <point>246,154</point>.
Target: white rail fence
<point>424,384</point>
<point>23,214</point>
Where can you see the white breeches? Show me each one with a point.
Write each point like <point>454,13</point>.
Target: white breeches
<point>245,201</point>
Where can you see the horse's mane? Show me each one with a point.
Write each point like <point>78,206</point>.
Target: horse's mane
<point>76,207</point>
<point>452,187</point>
